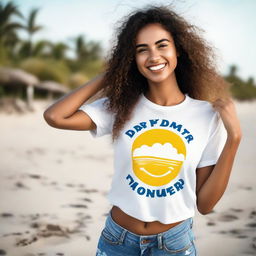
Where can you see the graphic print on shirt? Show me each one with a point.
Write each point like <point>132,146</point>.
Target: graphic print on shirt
<point>157,156</point>
<point>158,153</point>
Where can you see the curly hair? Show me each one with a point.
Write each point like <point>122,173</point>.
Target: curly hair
<point>196,71</point>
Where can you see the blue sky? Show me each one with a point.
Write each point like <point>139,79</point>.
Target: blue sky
<point>228,24</point>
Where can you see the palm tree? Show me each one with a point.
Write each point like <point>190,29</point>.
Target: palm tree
<point>8,35</point>
<point>31,27</point>
<point>41,48</point>
<point>95,50</point>
<point>80,47</point>
<point>233,70</point>
<point>58,50</point>
<point>87,51</point>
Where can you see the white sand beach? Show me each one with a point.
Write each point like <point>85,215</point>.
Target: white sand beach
<point>53,186</point>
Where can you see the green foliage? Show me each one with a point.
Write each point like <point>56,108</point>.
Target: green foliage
<point>47,69</point>
<point>2,91</point>
<point>49,61</point>
<point>92,68</point>
<point>45,59</point>
<point>8,28</point>
<point>241,90</point>
<point>4,59</point>
<point>77,79</point>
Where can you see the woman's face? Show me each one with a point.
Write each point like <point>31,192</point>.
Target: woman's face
<point>155,55</point>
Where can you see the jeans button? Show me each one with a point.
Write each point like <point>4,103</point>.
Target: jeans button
<point>145,241</point>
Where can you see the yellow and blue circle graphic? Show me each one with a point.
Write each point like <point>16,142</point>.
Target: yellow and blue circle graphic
<point>157,156</point>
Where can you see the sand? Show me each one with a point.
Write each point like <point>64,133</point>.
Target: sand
<point>53,187</point>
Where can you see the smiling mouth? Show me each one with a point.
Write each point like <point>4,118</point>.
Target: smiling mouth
<point>157,67</point>
<point>156,176</point>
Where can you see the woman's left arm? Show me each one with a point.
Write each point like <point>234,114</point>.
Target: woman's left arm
<point>213,187</point>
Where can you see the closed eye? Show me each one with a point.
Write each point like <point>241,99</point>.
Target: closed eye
<point>163,45</point>
<point>144,49</point>
<point>141,50</point>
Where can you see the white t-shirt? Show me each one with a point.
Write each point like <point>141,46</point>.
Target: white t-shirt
<point>157,153</point>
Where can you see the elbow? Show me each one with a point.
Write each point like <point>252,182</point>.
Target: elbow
<point>204,210</point>
<point>49,118</point>
<point>203,207</point>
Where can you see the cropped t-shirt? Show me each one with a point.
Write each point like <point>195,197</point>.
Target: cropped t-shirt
<point>157,153</point>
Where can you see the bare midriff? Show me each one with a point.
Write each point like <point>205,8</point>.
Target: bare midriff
<point>137,226</point>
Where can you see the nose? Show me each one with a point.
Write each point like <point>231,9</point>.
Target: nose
<point>154,56</point>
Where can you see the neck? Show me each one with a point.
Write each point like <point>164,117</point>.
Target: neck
<point>166,93</point>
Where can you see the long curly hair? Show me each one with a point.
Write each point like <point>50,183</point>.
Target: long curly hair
<point>196,71</point>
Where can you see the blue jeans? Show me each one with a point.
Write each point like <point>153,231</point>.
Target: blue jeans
<point>118,241</point>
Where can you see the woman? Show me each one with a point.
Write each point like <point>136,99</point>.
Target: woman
<point>174,128</point>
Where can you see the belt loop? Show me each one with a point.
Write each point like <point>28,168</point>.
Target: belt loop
<point>122,236</point>
<point>160,241</point>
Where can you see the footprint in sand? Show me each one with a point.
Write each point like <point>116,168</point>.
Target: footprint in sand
<point>70,185</point>
<point>246,187</point>
<point>35,176</point>
<point>13,234</point>
<point>86,199</point>
<point>210,223</point>
<point>6,215</point>
<point>2,252</point>
<point>236,210</point>
<point>87,238</point>
<point>251,225</point>
<point>21,185</point>
<point>238,233</point>
<point>227,217</point>
<point>252,214</point>
<point>254,243</point>
<point>89,190</point>
<point>83,216</point>
<point>242,236</point>
<point>76,205</point>
<point>27,241</point>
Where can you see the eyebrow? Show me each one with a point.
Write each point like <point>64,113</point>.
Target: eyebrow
<point>157,42</point>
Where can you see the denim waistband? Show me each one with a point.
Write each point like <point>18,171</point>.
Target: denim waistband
<point>171,234</point>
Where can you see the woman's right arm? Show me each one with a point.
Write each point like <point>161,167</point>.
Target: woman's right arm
<point>64,113</point>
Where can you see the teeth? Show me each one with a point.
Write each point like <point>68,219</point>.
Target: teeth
<point>157,67</point>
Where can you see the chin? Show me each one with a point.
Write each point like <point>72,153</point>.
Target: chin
<point>157,80</point>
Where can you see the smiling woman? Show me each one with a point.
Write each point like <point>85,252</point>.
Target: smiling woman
<point>156,60</point>
<point>173,149</point>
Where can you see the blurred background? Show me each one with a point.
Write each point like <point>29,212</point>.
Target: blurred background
<point>52,201</point>
<point>65,43</point>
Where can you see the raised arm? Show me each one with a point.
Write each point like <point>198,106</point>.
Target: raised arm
<point>64,113</point>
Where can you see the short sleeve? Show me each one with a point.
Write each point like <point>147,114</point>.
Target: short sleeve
<point>100,116</point>
<point>215,143</point>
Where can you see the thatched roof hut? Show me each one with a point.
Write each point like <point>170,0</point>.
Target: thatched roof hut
<point>52,88</point>
<point>18,78</point>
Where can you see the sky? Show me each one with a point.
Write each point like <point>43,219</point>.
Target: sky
<point>229,25</point>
